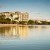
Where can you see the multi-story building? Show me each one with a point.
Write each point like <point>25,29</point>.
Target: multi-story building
<point>21,16</point>
<point>25,16</point>
<point>17,15</point>
<point>7,14</point>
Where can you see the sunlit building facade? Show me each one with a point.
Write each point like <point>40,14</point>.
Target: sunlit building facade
<point>7,14</point>
<point>25,16</point>
<point>17,14</point>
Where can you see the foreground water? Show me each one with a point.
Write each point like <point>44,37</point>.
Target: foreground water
<point>25,38</point>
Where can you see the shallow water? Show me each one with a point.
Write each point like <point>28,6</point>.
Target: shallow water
<point>25,38</point>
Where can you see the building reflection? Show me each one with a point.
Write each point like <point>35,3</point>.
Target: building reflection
<point>23,32</point>
<point>14,32</point>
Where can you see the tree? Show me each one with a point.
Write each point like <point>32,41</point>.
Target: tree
<point>8,20</point>
<point>2,19</point>
<point>22,22</point>
<point>30,22</point>
<point>13,22</point>
<point>2,16</point>
<point>43,22</point>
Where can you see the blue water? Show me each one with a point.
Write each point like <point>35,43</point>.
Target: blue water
<point>25,38</point>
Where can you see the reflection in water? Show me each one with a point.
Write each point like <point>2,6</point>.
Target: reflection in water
<point>19,31</point>
<point>14,32</point>
<point>25,38</point>
<point>23,31</point>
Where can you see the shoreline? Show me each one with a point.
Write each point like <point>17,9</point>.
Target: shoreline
<point>19,25</point>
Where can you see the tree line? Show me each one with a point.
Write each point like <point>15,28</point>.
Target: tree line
<point>4,20</point>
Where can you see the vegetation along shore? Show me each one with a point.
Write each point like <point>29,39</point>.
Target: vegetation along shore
<point>20,19</point>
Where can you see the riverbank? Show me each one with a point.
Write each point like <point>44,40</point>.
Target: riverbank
<point>6,25</point>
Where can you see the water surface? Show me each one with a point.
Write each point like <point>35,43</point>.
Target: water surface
<point>25,38</point>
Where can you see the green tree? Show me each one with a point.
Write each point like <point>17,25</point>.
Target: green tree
<point>30,22</point>
<point>8,20</point>
<point>2,19</point>
<point>2,16</point>
<point>43,22</point>
<point>13,22</point>
<point>22,22</point>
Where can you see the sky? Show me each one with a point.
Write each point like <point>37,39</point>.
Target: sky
<point>37,9</point>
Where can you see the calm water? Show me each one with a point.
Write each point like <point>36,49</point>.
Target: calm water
<point>25,38</point>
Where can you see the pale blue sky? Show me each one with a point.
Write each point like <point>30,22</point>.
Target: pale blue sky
<point>35,8</point>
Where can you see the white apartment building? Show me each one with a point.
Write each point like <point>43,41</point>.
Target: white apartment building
<point>22,16</point>
<point>25,16</point>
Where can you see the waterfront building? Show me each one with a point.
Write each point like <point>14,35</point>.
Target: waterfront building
<point>7,14</point>
<point>25,16</point>
<point>17,14</point>
<point>21,16</point>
